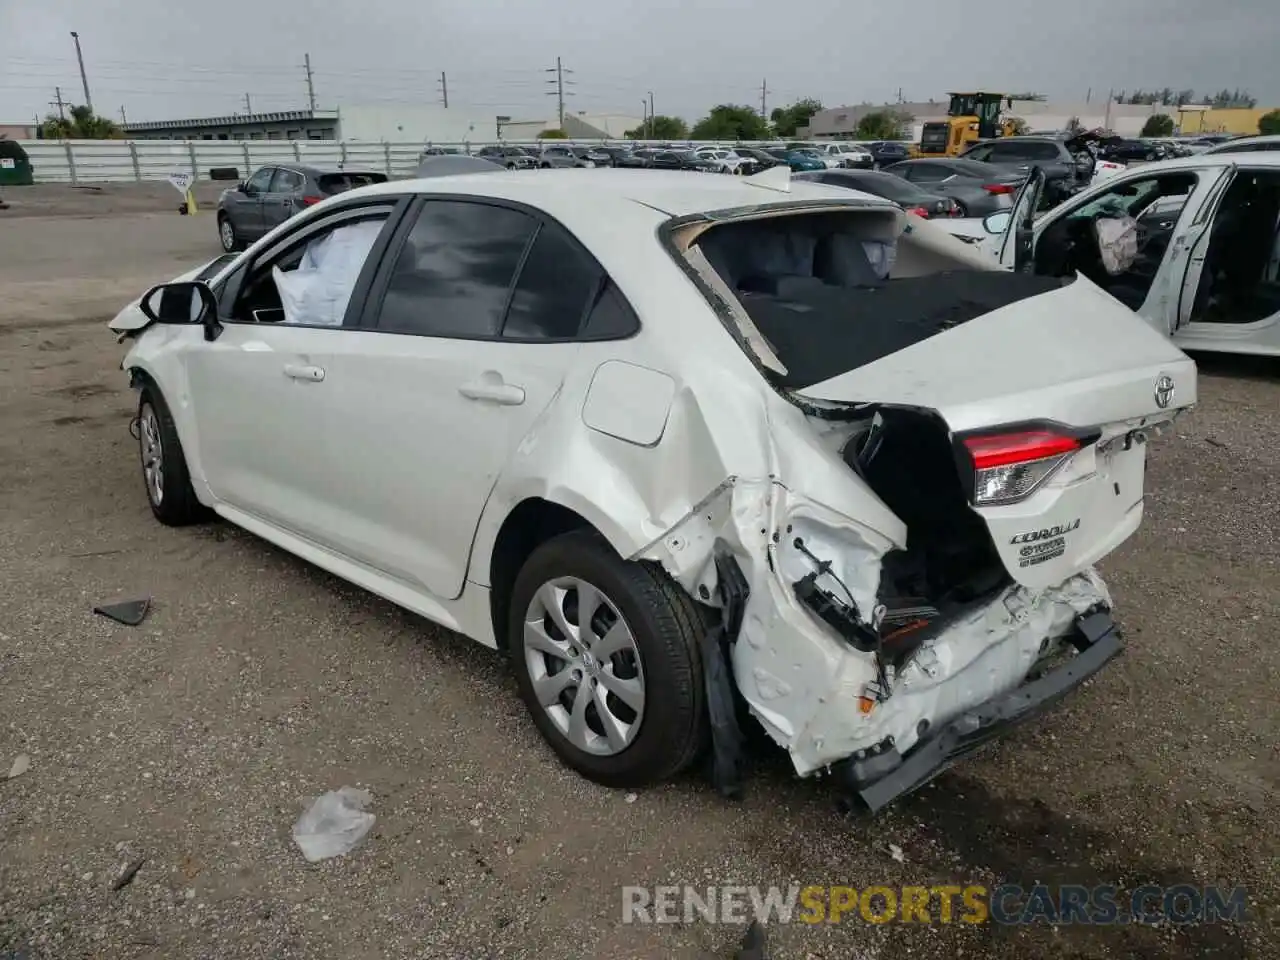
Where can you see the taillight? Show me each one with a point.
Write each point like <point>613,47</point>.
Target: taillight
<point>311,201</point>
<point>919,212</point>
<point>997,188</point>
<point>1010,467</point>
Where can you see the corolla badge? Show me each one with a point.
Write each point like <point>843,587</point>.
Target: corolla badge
<point>1164,390</point>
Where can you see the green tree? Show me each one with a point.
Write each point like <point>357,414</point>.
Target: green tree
<point>82,124</point>
<point>729,121</point>
<point>787,119</point>
<point>1269,123</point>
<point>659,127</point>
<point>555,134</point>
<point>1158,125</point>
<point>882,125</point>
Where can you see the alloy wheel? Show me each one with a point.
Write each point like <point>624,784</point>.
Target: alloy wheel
<point>227,233</point>
<point>584,665</point>
<point>152,452</point>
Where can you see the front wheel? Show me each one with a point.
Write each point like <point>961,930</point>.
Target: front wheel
<point>606,655</point>
<point>231,241</point>
<point>164,466</point>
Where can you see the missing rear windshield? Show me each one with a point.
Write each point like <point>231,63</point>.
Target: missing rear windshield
<point>829,292</point>
<point>342,182</point>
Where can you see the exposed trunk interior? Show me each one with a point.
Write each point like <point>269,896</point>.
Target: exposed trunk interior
<point>830,292</point>
<point>950,562</point>
<point>1240,280</point>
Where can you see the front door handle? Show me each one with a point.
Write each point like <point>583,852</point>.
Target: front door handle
<point>296,371</point>
<point>490,386</point>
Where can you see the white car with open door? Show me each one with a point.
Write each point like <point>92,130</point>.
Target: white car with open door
<point>1192,245</point>
<point>677,445</point>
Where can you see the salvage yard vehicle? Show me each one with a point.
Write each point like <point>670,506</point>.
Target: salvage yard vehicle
<point>277,192</point>
<point>978,189</point>
<point>676,443</point>
<point>1191,244</point>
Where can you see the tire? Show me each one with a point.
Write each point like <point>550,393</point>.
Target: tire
<point>963,210</point>
<point>660,658</point>
<point>227,234</point>
<point>170,494</point>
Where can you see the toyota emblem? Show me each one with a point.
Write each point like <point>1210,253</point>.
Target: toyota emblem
<point>1164,390</point>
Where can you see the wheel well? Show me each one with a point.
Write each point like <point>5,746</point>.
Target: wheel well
<point>532,523</point>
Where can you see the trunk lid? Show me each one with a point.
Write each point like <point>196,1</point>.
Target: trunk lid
<point>1069,363</point>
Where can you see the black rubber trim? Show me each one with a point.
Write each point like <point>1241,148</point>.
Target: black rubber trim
<point>1097,640</point>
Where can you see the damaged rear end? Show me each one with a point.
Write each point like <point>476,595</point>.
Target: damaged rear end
<point>955,448</point>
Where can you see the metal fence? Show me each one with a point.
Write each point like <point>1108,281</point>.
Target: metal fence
<point>124,161</point>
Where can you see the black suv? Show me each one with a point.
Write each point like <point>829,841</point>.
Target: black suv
<point>1067,163</point>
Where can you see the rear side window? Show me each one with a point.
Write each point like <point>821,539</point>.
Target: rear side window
<point>332,183</point>
<point>555,287</point>
<point>453,275</point>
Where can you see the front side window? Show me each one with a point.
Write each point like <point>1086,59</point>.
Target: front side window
<point>310,283</point>
<point>287,181</point>
<point>260,182</point>
<point>453,275</point>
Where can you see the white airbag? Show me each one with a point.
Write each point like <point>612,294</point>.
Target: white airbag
<point>317,293</point>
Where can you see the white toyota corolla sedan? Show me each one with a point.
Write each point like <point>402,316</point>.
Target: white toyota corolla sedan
<point>692,450</point>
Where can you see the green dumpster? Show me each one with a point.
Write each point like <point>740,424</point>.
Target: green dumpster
<point>15,168</point>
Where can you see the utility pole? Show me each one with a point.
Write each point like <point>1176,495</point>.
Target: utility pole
<point>651,113</point>
<point>644,127</point>
<point>311,87</point>
<point>84,80</point>
<point>248,104</point>
<point>124,117</point>
<point>59,103</point>
<point>560,83</point>
<point>444,90</point>
<point>764,99</point>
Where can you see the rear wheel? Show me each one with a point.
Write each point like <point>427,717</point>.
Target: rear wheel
<point>164,466</point>
<point>607,660</point>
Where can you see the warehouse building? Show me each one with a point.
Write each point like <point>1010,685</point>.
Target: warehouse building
<point>410,123</point>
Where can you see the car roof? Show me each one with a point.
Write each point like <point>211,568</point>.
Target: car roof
<point>1244,141</point>
<point>578,196</point>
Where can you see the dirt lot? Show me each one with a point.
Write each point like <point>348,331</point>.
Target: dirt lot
<point>258,680</point>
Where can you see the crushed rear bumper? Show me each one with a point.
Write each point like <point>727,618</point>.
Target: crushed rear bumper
<point>882,775</point>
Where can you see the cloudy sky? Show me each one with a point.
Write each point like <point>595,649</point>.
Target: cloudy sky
<point>182,58</point>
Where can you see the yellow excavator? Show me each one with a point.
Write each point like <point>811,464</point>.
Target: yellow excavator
<point>970,117</point>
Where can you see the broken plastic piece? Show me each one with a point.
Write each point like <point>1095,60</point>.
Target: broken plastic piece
<point>334,823</point>
<point>754,945</point>
<point>727,742</point>
<point>129,612</point>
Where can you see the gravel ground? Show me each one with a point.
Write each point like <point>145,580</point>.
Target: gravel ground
<point>258,681</point>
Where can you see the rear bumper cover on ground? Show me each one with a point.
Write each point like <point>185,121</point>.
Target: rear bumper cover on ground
<point>882,775</point>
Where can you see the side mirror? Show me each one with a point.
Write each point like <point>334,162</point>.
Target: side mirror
<point>997,223</point>
<point>187,302</point>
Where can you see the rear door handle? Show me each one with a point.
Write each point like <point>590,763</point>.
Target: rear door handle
<point>296,371</point>
<point>491,387</point>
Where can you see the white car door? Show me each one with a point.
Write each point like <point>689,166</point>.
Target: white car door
<point>261,390</point>
<point>461,360</point>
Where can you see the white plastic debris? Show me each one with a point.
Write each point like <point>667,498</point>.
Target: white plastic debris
<point>334,824</point>
<point>895,851</point>
<point>21,764</point>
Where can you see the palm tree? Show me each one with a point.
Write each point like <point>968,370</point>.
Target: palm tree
<point>83,124</point>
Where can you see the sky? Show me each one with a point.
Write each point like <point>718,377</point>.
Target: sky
<point>172,59</point>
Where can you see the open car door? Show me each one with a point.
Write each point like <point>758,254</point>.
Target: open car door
<point>1017,246</point>
<point>1193,246</point>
